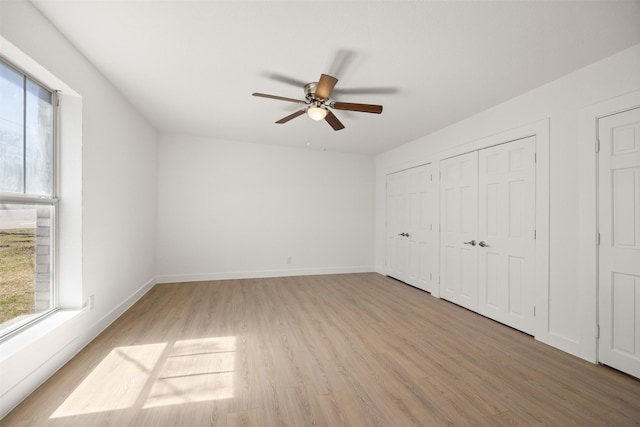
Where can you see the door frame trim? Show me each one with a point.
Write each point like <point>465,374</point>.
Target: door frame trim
<point>587,347</point>
<point>541,131</point>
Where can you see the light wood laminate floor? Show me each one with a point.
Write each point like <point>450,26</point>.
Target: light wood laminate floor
<point>338,350</point>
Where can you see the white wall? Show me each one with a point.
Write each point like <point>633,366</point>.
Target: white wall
<point>118,208</point>
<point>232,209</point>
<point>570,298</point>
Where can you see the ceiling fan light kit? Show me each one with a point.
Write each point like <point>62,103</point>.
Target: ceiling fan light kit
<point>318,103</point>
<point>316,113</point>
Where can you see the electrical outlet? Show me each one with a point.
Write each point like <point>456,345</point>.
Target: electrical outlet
<point>92,300</point>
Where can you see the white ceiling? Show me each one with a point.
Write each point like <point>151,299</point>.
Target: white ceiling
<point>191,66</point>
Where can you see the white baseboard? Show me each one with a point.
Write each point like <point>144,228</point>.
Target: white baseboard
<point>118,311</point>
<point>203,277</point>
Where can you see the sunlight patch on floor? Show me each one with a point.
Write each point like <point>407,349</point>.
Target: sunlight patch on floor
<point>154,375</point>
<point>116,383</point>
<point>196,371</point>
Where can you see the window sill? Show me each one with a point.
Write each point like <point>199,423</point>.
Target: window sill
<point>36,332</point>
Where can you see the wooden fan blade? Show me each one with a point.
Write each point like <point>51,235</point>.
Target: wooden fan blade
<point>325,86</point>
<point>333,121</point>
<point>291,116</point>
<point>363,108</point>
<point>342,60</point>
<point>285,79</point>
<point>280,98</point>
<point>384,90</point>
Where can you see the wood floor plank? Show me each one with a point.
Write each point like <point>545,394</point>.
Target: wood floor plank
<point>331,350</point>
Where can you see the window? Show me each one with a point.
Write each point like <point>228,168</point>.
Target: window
<point>28,202</point>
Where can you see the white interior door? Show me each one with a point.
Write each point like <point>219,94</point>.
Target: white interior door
<point>459,230</point>
<point>397,223</point>
<point>420,234</point>
<point>411,240</point>
<point>506,223</point>
<point>619,251</point>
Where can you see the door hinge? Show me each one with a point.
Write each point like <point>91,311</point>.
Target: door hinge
<point>598,145</point>
<point>597,239</point>
<point>535,235</point>
<point>597,331</point>
<point>431,177</point>
<point>534,311</point>
<point>535,157</point>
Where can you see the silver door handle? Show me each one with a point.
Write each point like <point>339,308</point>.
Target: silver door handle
<point>406,234</point>
<point>472,243</point>
<point>482,244</point>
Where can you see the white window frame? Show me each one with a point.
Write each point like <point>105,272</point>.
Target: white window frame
<point>33,199</point>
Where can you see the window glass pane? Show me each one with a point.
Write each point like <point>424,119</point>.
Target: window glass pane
<point>39,141</point>
<point>11,129</point>
<point>25,262</point>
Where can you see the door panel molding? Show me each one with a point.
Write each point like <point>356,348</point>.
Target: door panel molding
<point>585,345</point>
<point>619,250</point>
<point>459,219</point>
<point>506,222</point>
<point>411,238</point>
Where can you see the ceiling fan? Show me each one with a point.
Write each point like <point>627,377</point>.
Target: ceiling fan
<point>318,103</point>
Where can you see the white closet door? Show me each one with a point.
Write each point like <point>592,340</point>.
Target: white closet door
<point>421,238</point>
<point>619,251</point>
<point>459,230</point>
<point>397,224</point>
<point>427,234</point>
<point>411,240</point>
<point>506,222</point>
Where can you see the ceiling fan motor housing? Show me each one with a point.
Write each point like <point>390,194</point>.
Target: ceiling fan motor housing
<point>310,91</point>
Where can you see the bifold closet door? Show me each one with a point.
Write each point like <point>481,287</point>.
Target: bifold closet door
<point>506,227</point>
<point>459,230</point>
